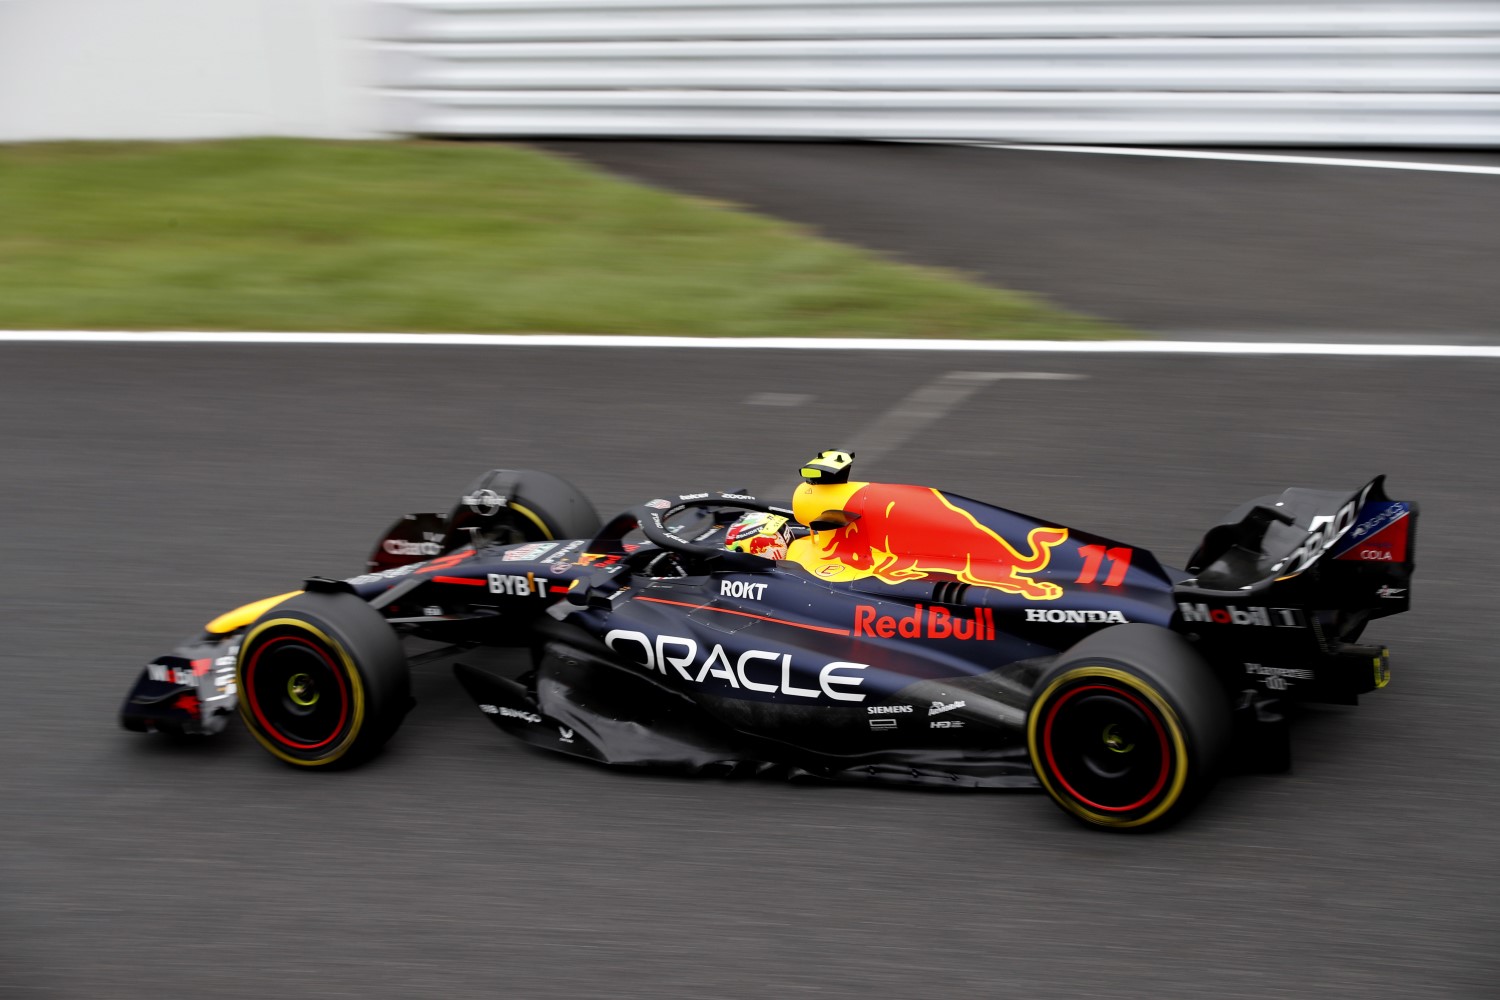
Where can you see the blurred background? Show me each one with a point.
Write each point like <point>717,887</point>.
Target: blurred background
<point>1248,171</point>
<point>1269,72</point>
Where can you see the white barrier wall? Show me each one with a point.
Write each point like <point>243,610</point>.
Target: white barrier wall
<point>1275,72</point>
<point>177,69</point>
<point>1279,72</point>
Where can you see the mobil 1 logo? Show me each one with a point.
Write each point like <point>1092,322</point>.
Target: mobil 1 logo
<point>1209,614</point>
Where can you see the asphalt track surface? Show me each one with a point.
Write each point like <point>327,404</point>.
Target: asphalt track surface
<point>148,488</point>
<point>1206,248</point>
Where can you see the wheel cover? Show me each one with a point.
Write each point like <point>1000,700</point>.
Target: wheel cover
<point>300,694</point>
<point>511,524</point>
<point>513,529</point>
<point>1120,770</point>
<point>1107,747</point>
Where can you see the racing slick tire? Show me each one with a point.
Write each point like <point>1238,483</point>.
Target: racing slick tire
<point>520,505</point>
<point>1128,729</point>
<point>323,681</point>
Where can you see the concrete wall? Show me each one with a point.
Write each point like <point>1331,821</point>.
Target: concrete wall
<point>177,69</point>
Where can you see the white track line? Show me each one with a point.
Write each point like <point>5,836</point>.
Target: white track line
<point>760,343</point>
<point>929,404</point>
<point>1188,154</point>
<point>920,409</point>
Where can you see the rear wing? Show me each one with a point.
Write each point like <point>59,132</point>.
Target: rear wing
<point>1311,550</point>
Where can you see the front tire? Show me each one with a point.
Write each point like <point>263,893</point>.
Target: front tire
<point>507,506</point>
<point>1128,729</point>
<point>323,681</point>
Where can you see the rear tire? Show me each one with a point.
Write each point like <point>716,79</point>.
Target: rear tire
<point>1128,730</point>
<point>323,681</point>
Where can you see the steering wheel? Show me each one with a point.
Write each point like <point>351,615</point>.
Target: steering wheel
<point>653,515</point>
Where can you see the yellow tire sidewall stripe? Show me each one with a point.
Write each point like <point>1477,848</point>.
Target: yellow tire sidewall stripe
<point>533,518</point>
<point>356,690</point>
<point>1169,717</point>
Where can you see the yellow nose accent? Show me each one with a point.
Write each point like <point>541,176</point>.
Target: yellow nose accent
<point>244,615</point>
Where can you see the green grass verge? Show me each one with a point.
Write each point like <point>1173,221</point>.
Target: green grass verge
<point>272,234</point>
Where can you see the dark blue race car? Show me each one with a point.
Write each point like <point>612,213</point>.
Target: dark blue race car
<point>865,631</point>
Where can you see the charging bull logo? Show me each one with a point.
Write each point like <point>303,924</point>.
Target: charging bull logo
<point>912,532</point>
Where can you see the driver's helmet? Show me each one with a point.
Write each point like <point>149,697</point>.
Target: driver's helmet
<point>760,534</point>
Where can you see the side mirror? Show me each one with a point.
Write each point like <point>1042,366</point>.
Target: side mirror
<point>831,519</point>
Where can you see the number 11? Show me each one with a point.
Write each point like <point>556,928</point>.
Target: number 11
<point>1093,559</point>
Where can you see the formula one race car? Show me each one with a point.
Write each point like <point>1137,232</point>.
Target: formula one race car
<point>869,631</point>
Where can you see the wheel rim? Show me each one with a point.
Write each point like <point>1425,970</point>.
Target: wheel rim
<point>1107,747</point>
<point>297,694</point>
<point>511,526</point>
<point>506,534</point>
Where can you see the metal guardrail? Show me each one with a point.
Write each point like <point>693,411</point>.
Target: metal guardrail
<point>1187,119</point>
<point>619,20</point>
<point>1365,64</point>
<point>1125,71</point>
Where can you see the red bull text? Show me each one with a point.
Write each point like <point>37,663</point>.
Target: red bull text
<point>924,623</point>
